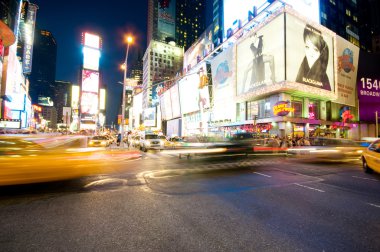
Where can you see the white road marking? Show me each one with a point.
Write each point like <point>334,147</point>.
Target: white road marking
<point>365,178</point>
<point>308,187</point>
<point>373,205</point>
<point>262,174</point>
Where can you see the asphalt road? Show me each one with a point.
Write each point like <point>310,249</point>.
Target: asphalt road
<point>162,203</point>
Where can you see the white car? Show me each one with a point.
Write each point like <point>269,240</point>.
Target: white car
<point>151,142</point>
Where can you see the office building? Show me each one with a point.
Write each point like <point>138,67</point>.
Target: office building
<point>42,79</point>
<point>62,98</point>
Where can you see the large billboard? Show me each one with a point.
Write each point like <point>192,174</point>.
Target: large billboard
<point>347,57</point>
<point>89,103</point>
<point>29,37</point>
<point>176,107</point>
<point>168,105</point>
<point>260,58</point>
<point>237,13</point>
<point>90,81</point>
<point>150,117</point>
<point>75,93</point>
<point>368,84</point>
<point>91,40</point>
<point>310,57</point>
<point>166,19</point>
<point>91,58</point>
<point>223,79</point>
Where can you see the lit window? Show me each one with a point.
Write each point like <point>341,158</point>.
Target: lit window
<point>348,12</point>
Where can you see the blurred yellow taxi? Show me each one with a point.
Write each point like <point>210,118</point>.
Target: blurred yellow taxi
<point>371,158</point>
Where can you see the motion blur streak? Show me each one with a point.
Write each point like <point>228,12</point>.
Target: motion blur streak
<point>56,165</point>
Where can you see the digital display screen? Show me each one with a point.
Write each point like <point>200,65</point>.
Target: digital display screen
<point>89,103</point>
<point>91,58</point>
<point>91,40</point>
<point>90,81</point>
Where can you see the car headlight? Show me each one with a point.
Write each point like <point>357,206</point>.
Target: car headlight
<point>162,142</point>
<point>103,142</point>
<point>359,151</point>
<point>147,143</point>
<point>91,142</point>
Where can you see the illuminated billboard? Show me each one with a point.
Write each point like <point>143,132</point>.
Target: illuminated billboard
<point>90,81</point>
<point>91,40</point>
<point>223,74</point>
<point>150,117</point>
<point>311,56</point>
<point>75,96</point>
<point>91,58</point>
<point>168,105</point>
<point>348,57</point>
<point>89,103</point>
<point>29,37</point>
<point>261,57</point>
<point>45,101</point>
<point>237,13</point>
<point>102,99</point>
<point>176,107</point>
<point>18,102</point>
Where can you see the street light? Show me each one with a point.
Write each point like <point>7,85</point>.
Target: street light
<point>129,40</point>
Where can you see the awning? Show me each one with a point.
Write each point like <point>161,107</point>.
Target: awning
<point>6,34</point>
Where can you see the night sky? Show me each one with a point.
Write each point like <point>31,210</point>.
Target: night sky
<point>66,20</point>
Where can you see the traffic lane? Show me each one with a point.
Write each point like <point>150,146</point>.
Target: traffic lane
<point>332,218</point>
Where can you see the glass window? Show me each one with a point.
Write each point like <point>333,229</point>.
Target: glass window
<point>313,110</point>
<point>297,105</point>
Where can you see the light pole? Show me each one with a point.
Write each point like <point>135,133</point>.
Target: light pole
<point>129,40</point>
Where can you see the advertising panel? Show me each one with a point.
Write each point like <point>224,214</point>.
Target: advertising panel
<point>168,105</point>
<point>45,101</point>
<point>348,57</point>
<point>191,96</point>
<point>89,103</point>
<point>18,102</point>
<point>162,107</point>
<point>200,49</point>
<point>261,57</point>
<point>310,56</point>
<point>10,123</point>
<point>29,27</point>
<point>176,107</point>
<point>91,40</point>
<point>102,99</point>
<point>223,79</point>
<point>75,96</point>
<point>166,19</point>
<point>156,91</point>
<point>150,117</point>
<point>90,81</point>
<point>239,12</point>
<point>173,128</point>
<point>368,84</point>
<point>91,58</point>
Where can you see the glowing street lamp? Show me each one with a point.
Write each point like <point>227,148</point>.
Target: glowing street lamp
<point>129,40</point>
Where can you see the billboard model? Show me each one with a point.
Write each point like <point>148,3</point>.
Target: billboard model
<point>261,57</point>
<point>310,56</point>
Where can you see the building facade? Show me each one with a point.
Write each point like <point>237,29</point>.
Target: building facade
<point>42,78</point>
<point>62,98</point>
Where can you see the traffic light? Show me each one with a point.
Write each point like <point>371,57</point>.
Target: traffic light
<point>203,81</point>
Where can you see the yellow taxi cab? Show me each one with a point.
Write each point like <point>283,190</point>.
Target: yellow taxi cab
<point>371,157</point>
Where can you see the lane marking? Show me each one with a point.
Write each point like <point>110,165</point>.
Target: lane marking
<point>366,178</point>
<point>373,205</point>
<point>308,187</point>
<point>262,174</point>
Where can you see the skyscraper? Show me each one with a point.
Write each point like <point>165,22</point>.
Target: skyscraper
<point>161,20</point>
<point>369,27</point>
<point>136,69</point>
<point>62,97</point>
<point>190,21</point>
<point>42,79</point>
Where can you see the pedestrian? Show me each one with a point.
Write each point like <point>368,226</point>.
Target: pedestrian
<point>118,141</point>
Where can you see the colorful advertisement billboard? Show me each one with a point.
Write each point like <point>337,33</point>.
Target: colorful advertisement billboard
<point>310,57</point>
<point>150,117</point>
<point>91,58</point>
<point>29,27</point>
<point>238,13</point>
<point>176,107</point>
<point>75,93</point>
<point>166,19</point>
<point>89,103</point>
<point>168,105</point>
<point>91,40</point>
<point>348,57</point>
<point>260,58</point>
<point>368,84</point>
<point>102,99</point>
<point>90,81</point>
<point>223,79</point>
<point>45,101</point>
